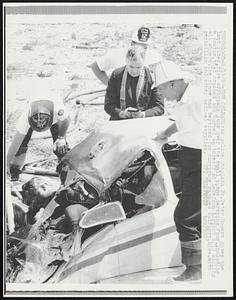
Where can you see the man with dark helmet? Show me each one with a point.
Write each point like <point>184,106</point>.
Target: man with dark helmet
<point>40,115</point>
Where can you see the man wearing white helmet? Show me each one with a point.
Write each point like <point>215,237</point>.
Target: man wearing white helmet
<point>188,129</point>
<point>39,115</point>
<point>116,58</point>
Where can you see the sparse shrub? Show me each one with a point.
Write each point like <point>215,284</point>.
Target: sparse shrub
<point>10,70</point>
<point>74,85</point>
<point>44,74</point>
<point>27,47</point>
<point>75,77</point>
<point>52,63</point>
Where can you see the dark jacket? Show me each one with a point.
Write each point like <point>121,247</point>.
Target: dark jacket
<point>151,100</point>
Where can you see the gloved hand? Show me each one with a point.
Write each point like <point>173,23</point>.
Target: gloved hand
<point>60,145</point>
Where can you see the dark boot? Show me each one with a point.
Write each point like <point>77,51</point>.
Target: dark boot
<point>191,257</point>
<point>190,273</point>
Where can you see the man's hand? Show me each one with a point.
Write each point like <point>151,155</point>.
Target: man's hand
<point>60,145</point>
<point>138,114</point>
<point>160,136</point>
<point>164,135</point>
<point>125,114</point>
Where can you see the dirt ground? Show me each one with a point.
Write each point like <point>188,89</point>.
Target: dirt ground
<point>54,57</point>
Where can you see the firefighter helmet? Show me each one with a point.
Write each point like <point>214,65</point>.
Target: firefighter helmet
<point>41,115</point>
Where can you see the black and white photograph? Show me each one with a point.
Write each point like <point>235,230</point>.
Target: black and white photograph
<point>116,129</point>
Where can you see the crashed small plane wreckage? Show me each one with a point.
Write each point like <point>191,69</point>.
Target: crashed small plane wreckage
<point>113,213</point>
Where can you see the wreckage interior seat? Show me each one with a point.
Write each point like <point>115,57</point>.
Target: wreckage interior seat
<point>132,182</point>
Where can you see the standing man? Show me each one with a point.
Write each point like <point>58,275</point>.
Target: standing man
<point>188,125</point>
<point>39,115</point>
<point>116,57</point>
<point>130,92</point>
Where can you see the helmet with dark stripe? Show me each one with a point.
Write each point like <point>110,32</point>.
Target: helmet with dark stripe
<point>41,115</point>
